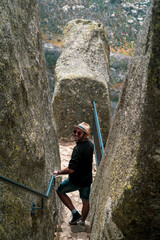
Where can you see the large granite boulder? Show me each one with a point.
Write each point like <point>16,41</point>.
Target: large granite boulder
<point>82,75</point>
<point>28,144</point>
<point>125,198</point>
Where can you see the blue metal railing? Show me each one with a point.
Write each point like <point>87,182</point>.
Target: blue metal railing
<point>96,135</point>
<point>23,187</point>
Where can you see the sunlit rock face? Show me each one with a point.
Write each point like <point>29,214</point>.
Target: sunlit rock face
<point>126,192</point>
<point>28,144</point>
<point>82,75</point>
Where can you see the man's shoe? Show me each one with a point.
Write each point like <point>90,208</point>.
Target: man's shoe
<point>76,217</point>
<point>81,223</point>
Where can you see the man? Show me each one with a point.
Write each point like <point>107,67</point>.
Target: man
<point>80,174</point>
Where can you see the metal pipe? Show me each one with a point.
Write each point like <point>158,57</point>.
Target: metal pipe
<point>50,186</point>
<point>95,152</point>
<point>98,127</point>
<point>23,187</point>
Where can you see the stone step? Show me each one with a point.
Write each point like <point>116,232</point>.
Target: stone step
<point>74,228</point>
<point>76,236</point>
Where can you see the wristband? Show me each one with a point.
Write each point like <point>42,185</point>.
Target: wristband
<point>59,172</point>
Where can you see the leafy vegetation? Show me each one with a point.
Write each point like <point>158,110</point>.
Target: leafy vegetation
<point>121,19</point>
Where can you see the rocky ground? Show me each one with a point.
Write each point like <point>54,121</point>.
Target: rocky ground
<point>64,230</point>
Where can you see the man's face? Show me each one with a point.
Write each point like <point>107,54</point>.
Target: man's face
<point>79,135</point>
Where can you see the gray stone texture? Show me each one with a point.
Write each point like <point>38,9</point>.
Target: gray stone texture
<point>29,150</point>
<point>125,198</point>
<point>82,75</point>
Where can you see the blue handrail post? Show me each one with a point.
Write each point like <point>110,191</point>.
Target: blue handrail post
<point>96,134</point>
<point>50,185</point>
<point>95,151</point>
<point>47,195</point>
<point>36,208</point>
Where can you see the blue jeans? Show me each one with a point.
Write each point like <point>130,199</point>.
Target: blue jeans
<point>66,187</point>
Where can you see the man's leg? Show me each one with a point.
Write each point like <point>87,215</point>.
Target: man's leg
<point>66,200</point>
<point>84,195</point>
<point>85,210</point>
<point>62,189</point>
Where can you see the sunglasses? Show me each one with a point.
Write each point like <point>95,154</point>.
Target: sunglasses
<point>78,132</point>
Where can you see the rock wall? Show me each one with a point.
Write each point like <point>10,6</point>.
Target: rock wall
<point>28,144</point>
<point>51,53</point>
<point>82,75</point>
<point>125,195</point>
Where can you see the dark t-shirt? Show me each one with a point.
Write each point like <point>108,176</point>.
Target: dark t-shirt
<point>81,162</point>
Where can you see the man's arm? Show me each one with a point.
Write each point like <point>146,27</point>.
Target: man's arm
<point>64,171</point>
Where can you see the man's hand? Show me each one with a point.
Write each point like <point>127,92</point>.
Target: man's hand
<point>64,171</point>
<point>55,172</point>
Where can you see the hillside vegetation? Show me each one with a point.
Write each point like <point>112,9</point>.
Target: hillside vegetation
<point>121,19</point>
